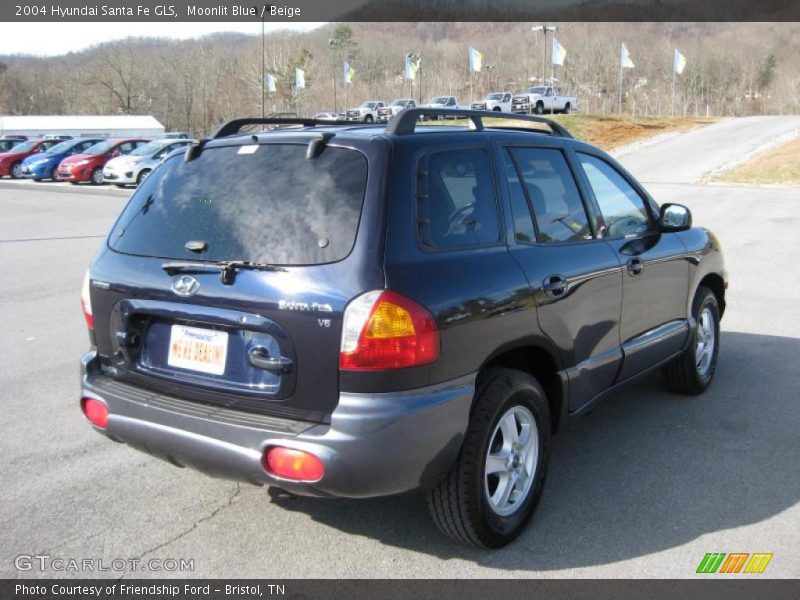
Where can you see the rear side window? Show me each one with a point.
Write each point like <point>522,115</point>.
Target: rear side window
<point>261,203</point>
<point>461,209</point>
<point>622,207</point>
<point>523,218</point>
<point>552,193</point>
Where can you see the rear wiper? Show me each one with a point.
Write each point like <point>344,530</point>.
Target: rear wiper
<point>227,268</point>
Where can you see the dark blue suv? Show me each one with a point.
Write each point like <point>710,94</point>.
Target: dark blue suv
<point>356,311</point>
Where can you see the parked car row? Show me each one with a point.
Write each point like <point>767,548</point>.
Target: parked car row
<point>533,100</point>
<point>91,160</point>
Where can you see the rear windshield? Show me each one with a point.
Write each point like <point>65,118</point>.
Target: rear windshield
<point>260,203</point>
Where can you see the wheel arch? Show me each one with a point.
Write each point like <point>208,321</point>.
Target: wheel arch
<point>716,284</point>
<point>538,359</point>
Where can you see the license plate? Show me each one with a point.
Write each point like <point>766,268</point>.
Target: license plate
<point>198,349</point>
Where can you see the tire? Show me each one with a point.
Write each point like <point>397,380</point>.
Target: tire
<point>75,182</point>
<point>539,108</point>
<point>142,176</point>
<point>690,373</point>
<point>96,178</point>
<point>463,504</point>
<point>497,109</point>
<point>368,119</point>
<point>567,108</point>
<point>16,171</point>
<point>120,185</point>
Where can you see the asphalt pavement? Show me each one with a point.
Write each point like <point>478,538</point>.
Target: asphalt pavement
<point>644,486</point>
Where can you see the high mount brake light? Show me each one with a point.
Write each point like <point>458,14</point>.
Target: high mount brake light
<point>384,330</point>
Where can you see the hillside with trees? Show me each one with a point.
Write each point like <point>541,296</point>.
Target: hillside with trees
<point>192,85</point>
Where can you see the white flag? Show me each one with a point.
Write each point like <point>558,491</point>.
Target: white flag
<point>271,83</point>
<point>475,60</point>
<point>559,53</point>
<point>349,72</point>
<point>625,58</point>
<point>299,79</point>
<point>678,63</point>
<point>412,66</point>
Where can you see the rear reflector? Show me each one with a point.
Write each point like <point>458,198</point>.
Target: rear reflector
<point>86,301</point>
<point>384,330</point>
<point>289,463</point>
<point>95,411</point>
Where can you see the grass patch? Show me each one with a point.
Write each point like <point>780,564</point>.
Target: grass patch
<point>609,132</point>
<point>777,165</point>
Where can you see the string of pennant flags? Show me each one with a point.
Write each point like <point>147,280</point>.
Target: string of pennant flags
<point>476,64</point>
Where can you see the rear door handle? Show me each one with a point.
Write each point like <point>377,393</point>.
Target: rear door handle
<point>259,357</point>
<point>555,285</point>
<point>635,266</point>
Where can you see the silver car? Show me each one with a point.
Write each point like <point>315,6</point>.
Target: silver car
<point>133,168</point>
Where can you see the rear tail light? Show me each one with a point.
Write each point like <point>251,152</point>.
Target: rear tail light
<point>289,463</point>
<point>86,302</point>
<point>384,330</point>
<point>95,411</point>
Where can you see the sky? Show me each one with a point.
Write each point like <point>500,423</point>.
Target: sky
<point>51,39</point>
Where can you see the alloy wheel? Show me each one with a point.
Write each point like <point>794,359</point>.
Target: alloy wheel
<point>511,460</point>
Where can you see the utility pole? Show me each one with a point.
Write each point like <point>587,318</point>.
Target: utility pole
<point>263,66</point>
<point>545,29</point>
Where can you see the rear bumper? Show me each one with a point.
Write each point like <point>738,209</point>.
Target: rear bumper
<point>375,444</point>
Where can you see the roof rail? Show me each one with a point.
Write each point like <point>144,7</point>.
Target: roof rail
<point>406,120</point>
<point>233,127</point>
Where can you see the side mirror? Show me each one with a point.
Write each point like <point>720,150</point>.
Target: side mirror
<point>674,217</point>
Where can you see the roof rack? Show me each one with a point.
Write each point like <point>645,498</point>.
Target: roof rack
<point>406,121</point>
<point>233,127</point>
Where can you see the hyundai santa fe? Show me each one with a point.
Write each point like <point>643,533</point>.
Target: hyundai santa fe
<point>358,311</point>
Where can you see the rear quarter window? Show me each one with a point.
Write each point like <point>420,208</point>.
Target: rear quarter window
<point>261,203</point>
<point>460,207</point>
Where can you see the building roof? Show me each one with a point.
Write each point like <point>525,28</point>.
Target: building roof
<point>82,122</point>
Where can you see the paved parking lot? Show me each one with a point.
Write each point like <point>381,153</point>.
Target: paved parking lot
<point>642,487</point>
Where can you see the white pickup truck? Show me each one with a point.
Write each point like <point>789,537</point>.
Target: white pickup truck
<point>444,102</point>
<point>396,106</point>
<point>496,102</point>
<point>543,98</point>
<point>367,112</point>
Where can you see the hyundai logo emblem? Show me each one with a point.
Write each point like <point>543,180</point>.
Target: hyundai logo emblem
<point>185,285</point>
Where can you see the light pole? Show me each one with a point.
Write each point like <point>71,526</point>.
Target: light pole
<point>545,29</point>
<point>334,44</point>
<point>489,69</point>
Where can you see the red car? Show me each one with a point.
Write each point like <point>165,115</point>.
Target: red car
<point>11,162</point>
<point>89,165</point>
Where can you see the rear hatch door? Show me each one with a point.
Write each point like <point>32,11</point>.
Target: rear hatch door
<point>226,277</point>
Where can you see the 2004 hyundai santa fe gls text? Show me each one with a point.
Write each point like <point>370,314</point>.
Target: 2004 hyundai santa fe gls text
<point>355,311</point>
